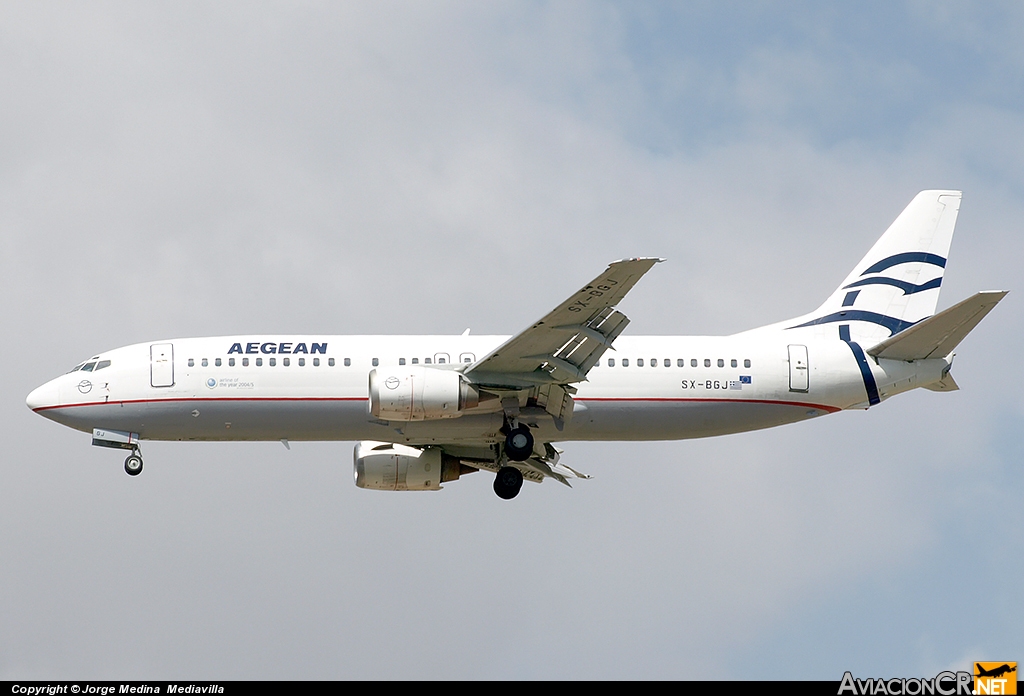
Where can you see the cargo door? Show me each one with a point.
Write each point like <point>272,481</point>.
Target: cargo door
<point>798,368</point>
<point>161,365</point>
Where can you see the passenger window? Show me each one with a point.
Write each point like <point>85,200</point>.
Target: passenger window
<point>348,361</point>
<point>206,363</point>
<point>654,362</point>
<point>415,361</point>
<point>231,362</point>
<point>733,363</point>
<point>467,357</point>
<point>245,362</point>
<point>680,363</point>
<point>639,362</point>
<point>191,363</point>
<point>259,362</point>
<point>286,361</point>
<point>693,362</point>
<point>273,362</point>
<point>375,362</point>
<point>668,363</point>
<point>401,361</point>
<point>302,362</point>
<point>707,362</point>
<point>330,362</point>
<point>101,364</point>
<point>217,362</point>
<point>316,362</point>
<point>611,362</point>
<point>440,361</point>
<point>426,361</point>
<point>625,362</point>
<point>721,362</point>
<point>746,363</point>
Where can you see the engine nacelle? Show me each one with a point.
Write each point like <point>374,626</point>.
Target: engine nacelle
<point>413,393</point>
<point>382,466</point>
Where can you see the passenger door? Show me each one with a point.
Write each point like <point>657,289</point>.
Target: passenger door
<point>798,379</point>
<point>161,365</point>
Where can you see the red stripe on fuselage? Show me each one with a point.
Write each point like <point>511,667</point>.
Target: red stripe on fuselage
<point>822,407</point>
<point>200,398</point>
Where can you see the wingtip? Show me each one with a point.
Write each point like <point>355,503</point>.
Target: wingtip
<point>993,296</point>
<point>655,259</point>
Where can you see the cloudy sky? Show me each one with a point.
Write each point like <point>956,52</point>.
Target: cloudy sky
<point>192,169</point>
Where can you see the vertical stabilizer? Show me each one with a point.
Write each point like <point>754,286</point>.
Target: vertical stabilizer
<point>897,283</point>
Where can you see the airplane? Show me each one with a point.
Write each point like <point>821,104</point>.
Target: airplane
<point>426,410</point>
<point>996,672</point>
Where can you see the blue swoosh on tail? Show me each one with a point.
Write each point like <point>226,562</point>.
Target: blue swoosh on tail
<point>892,323</point>
<point>906,257</point>
<point>865,369</point>
<point>907,288</point>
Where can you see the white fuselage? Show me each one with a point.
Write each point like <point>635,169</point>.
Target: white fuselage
<point>315,387</point>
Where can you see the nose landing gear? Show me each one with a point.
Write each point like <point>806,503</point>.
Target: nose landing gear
<point>133,464</point>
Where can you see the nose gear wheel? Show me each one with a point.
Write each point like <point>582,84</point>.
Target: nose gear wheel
<point>133,464</point>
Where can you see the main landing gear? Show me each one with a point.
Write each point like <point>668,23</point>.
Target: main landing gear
<point>133,464</point>
<point>518,448</point>
<point>519,443</point>
<point>507,482</point>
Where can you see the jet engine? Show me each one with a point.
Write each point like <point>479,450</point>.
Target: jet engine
<point>416,393</point>
<point>383,466</point>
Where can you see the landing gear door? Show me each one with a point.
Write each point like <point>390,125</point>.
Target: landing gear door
<point>161,365</point>
<point>798,368</point>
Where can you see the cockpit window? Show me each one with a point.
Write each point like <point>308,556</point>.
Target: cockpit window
<point>90,365</point>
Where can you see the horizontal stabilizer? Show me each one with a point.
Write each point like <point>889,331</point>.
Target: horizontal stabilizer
<point>937,336</point>
<point>946,384</point>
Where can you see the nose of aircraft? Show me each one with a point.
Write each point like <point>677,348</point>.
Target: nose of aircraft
<point>46,395</point>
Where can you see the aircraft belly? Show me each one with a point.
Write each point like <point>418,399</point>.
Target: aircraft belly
<point>679,419</point>
<point>484,427</point>
<point>346,420</point>
<point>207,419</point>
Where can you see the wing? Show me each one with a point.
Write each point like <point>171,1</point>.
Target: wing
<point>562,347</point>
<point>533,371</point>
